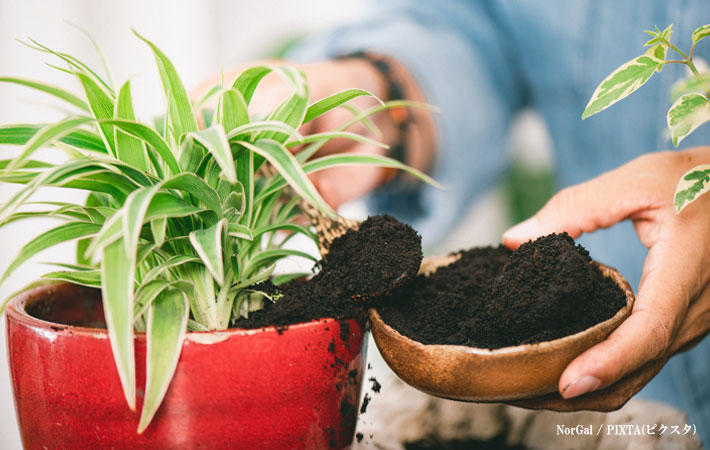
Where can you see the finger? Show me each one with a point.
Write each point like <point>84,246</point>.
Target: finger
<point>609,399</point>
<point>661,305</point>
<point>597,203</point>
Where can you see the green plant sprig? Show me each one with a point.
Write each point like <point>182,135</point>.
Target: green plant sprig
<point>180,223</point>
<point>690,97</point>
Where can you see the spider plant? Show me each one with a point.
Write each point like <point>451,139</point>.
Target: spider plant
<point>180,223</point>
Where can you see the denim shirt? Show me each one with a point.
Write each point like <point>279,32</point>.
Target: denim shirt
<point>481,62</point>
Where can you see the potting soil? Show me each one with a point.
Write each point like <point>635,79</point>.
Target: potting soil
<point>493,298</point>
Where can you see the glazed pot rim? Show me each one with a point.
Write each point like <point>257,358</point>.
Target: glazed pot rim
<point>16,311</point>
<point>538,347</point>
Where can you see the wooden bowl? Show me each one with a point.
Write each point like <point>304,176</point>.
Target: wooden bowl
<point>481,375</point>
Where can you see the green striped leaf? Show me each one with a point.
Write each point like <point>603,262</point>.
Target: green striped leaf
<point>215,141</point>
<point>687,113</point>
<point>46,135</point>
<point>248,80</point>
<point>232,111</point>
<point>167,324</point>
<point>174,261</point>
<point>133,214</point>
<point>700,33</point>
<point>180,114</point>
<point>90,278</point>
<point>260,126</point>
<point>330,135</point>
<point>240,231</point>
<point>623,81</point>
<point>63,233</point>
<point>129,149</point>
<point>289,168</point>
<point>290,227</point>
<point>272,255</point>
<point>208,245</point>
<point>333,101</point>
<point>102,106</point>
<point>49,89</point>
<point>20,134</point>
<point>150,137</point>
<point>117,272</point>
<point>691,186</point>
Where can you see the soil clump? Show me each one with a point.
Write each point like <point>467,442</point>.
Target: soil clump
<point>492,297</point>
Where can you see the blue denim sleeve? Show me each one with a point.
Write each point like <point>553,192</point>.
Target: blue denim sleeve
<point>455,52</point>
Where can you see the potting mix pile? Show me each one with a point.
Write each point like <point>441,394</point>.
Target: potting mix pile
<point>359,262</point>
<point>493,298</point>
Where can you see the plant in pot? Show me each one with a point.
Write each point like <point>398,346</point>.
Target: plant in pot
<point>176,241</point>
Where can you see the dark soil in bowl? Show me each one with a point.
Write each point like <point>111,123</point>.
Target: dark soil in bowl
<point>359,262</point>
<point>493,298</point>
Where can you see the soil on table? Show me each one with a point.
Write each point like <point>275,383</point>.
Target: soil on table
<point>497,443</point>
<point>492,297</point>
<point>359,262</point>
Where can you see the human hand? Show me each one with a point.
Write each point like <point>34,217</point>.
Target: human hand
<point>338,185</point>
<point>672,308</point>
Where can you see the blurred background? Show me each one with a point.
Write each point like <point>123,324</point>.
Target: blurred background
<point>201,38</point>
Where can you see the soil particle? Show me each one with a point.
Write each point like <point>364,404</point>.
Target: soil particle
<point>493,298</point>
<point>376,386</point>
<point>359,436</point>
<point>365,402</point>
<point>359,262</point>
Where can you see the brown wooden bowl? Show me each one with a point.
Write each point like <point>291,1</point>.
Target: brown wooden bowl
<point>481,375</point>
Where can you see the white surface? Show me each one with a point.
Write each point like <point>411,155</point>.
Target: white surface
<point>200,37</point>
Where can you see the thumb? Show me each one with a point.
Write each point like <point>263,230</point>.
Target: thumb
<point>598,203</point>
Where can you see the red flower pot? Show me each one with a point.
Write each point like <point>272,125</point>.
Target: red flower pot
<point>262,388</point>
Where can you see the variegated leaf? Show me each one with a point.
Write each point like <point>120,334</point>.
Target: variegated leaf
<point>700,33</point>
<point>625,80</point>
<point>687,113</point>
<point>692,185</point>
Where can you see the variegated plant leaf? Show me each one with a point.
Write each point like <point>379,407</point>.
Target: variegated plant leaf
<point>687,113</point>
<point>692,185</point>
<point>625,80</point>
<point>700,33</point>
<point>697,83</point>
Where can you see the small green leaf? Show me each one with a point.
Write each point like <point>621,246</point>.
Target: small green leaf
<point>208,244</point>
<point>240,231</point>
<point>215,141</point>
<point>625,80</point>
<point>333,101</point>
<point>129,149</point>
<point>102,107</point>
<point>232,111</point>
<point>691,186</point>
<point>687,113</point>
<point>90,278</point>
<point>167,324</point>
<point>701,33</point>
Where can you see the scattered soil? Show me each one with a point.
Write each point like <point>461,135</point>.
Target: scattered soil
<point>365,403</point>
<point>497,443</point>
<point>493,298</point>
<point>359,262</point>
<point>376,386</point>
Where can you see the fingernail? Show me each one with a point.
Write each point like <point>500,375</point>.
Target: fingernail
<point>580,386</point>
<point>523,231</point>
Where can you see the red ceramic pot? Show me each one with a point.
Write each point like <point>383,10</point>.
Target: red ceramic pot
<point>248,389</point>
